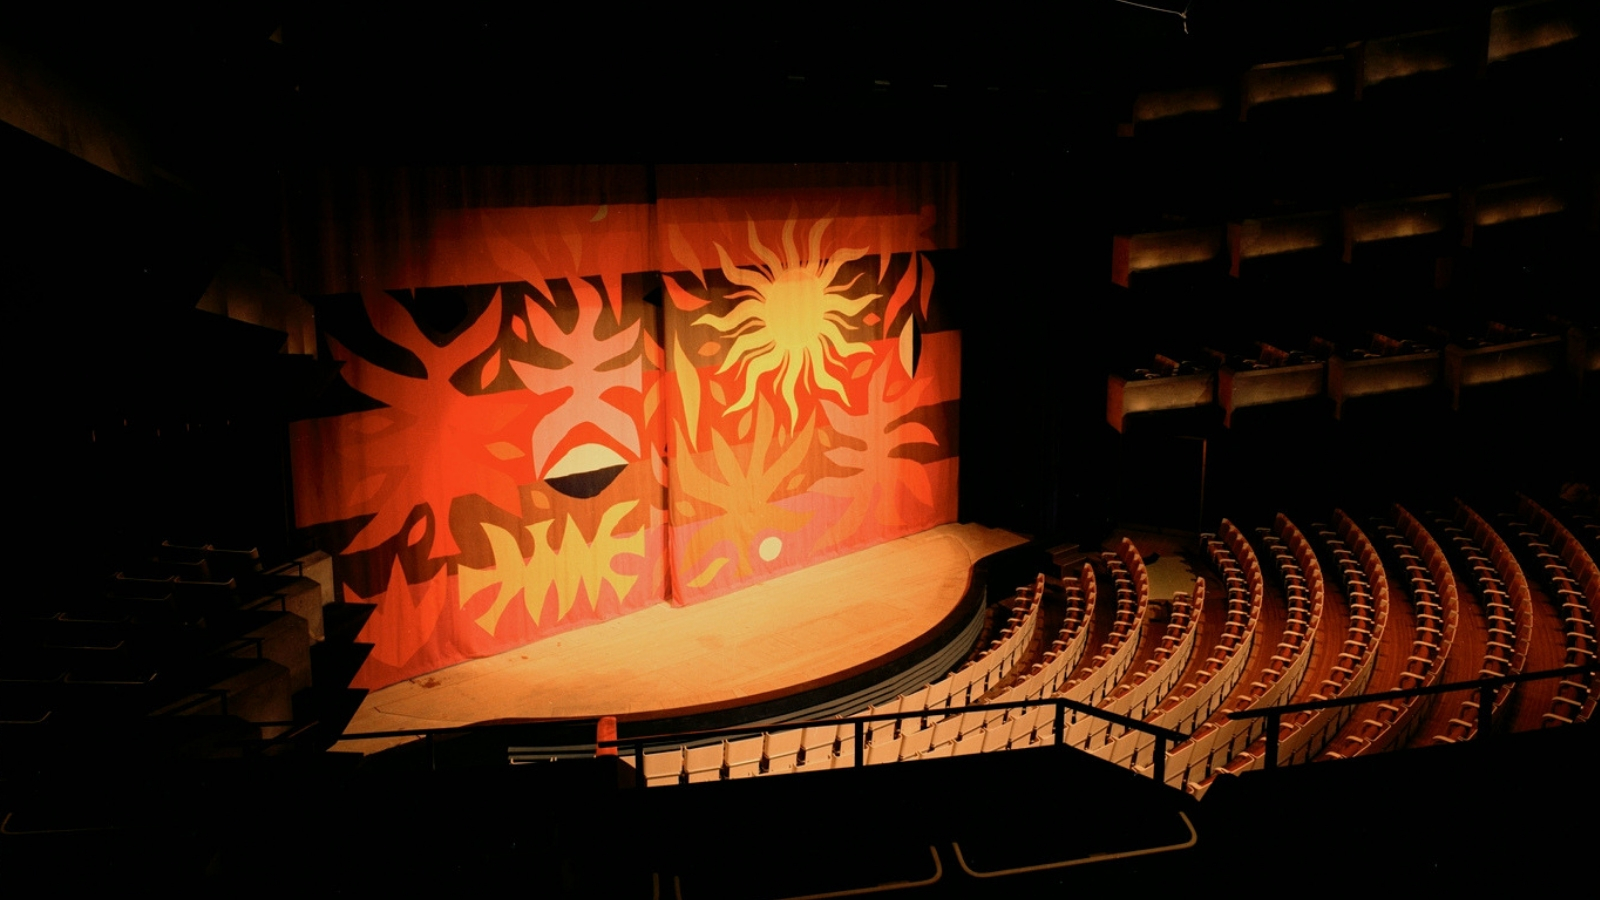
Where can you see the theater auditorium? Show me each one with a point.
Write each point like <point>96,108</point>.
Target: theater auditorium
<point>803,454</point>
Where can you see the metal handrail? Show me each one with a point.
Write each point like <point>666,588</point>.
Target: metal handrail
<point>1060,704</point>
<point>1485,687</point>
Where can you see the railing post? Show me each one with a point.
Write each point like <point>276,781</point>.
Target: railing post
<point>1272,739</point>
<point>1485,710</point>
<point>638,764</point>
<point>861,743</point>
<point>1061,722</point>
<point>1160,761</point>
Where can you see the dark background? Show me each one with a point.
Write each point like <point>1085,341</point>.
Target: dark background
<point>143,417</point>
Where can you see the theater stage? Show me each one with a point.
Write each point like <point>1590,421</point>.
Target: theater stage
<point>798,630</point>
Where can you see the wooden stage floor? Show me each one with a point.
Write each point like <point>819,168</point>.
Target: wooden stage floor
<point>803,628</point>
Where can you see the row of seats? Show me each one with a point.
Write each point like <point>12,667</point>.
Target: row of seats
<point>1235,562</point>
<point>1150,685</point>
<point>1435,599</point>
<point>1130,583</point>
<point>999,662</point>
<point>1218,741</point>
<point>925,731</point>
<point>1045,677</point>
<point>1300,577</point>
<point>1566,566</point>
<point>1433,586</point>
<point>930,732</point>
<point>1554,542</point>
<point>992,667</point>
<point>1366,590</point>
<point>1436,610</point>
<point>1094,682</point>
<point>1517,596</point>
<point>1507,606</point>
<point>813,747</point>
<point>987,730</point>
<point>1012,729</point>
<point>1413,551</point>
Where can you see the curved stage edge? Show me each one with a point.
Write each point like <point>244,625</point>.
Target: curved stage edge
<point>829,639</point>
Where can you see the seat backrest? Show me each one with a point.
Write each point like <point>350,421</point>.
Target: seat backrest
<point>818,742</point>
<point>916,701</point>
<point>915,741</point>
<point>1022,725</point>
<point>945,731</point>
<point>972,720</point>
<point>744,755</point>
<point>783,743</point>
<point>886,752</point>
<point>995,737</point>
<point>663,766</point>
<point>704,763</point>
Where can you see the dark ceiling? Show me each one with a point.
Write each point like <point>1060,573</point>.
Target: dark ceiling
<point>239,84</point>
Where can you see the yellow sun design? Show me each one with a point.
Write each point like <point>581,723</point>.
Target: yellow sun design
<point>791,320</point>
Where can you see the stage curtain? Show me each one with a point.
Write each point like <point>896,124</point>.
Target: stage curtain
<point>815,378</point>
<point>561,399</point>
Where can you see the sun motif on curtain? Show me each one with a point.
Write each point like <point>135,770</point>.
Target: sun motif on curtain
<point>791,322</point>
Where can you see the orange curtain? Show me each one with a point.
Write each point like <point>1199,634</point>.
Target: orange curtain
<point>549,414</point>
